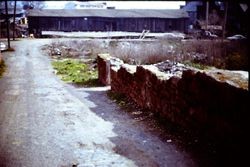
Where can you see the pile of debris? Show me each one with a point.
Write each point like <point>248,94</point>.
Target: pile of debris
<point>173,68</point>
<point>235,78</point>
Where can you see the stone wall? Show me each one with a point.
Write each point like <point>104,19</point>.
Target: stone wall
<point>193,99</point>
<point>103,69</point>
<point>105,62</point>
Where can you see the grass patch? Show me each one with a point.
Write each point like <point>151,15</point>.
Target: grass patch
<point>2,68</point>
<point>74,71</point>
<point>196,65</point>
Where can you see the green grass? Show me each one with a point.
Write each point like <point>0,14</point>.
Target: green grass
<point>2,68</point>
<point>74,71</point>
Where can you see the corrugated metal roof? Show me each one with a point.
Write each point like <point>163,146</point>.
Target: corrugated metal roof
<point>114,13</point>
<point>11,11</point>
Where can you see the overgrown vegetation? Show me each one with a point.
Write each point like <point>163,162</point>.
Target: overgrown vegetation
<point>230,55</point>
<point>74,49</point>
<point>235,61</point>
<point>196,65</point>
<point>2,68</point>
<point>75,71</point>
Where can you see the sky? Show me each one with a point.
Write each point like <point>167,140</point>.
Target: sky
<point>127,5</point>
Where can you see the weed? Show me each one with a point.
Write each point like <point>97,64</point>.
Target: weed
<point>196,65</point>
<point>11,49</point>
<point>236,61</point>
<point>118,98</point>
<point>203,52</point>
<point>74,71</point>
<point>2,68</point>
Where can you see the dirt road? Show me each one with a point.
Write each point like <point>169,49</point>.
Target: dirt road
<point>44,122</point>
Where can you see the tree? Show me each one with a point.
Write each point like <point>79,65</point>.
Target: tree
<point>14,21</point>
<point>8,22</point>
<point>33,5</point>
<point>224,21</point>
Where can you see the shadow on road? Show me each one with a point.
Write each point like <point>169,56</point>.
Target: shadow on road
<point>150,141</point>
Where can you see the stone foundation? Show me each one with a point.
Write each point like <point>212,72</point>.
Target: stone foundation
<point>193,99</point>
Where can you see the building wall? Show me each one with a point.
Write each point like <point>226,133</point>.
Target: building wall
<point>38,24</point>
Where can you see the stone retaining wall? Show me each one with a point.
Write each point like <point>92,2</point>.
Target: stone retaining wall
<point>103,70</point>
<point>194,100</point>
<point>105,62</point>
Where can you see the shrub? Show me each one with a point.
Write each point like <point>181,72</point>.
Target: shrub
<point>204,52</point>
<point>235,61</point>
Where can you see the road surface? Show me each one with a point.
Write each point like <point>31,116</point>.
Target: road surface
<point>44,122</point>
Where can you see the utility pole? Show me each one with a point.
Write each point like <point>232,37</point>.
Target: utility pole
<point>14,21</point>
<point>0,27</point>
<point>224,22</point>
<point>207,13</point>
<point>8,23</point>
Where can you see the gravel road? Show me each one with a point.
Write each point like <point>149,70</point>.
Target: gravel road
<point>44,122</point>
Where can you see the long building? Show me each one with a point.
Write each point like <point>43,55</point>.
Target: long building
<point>132,20</point>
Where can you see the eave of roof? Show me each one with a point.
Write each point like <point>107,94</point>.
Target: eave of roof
<point>112,13</point>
